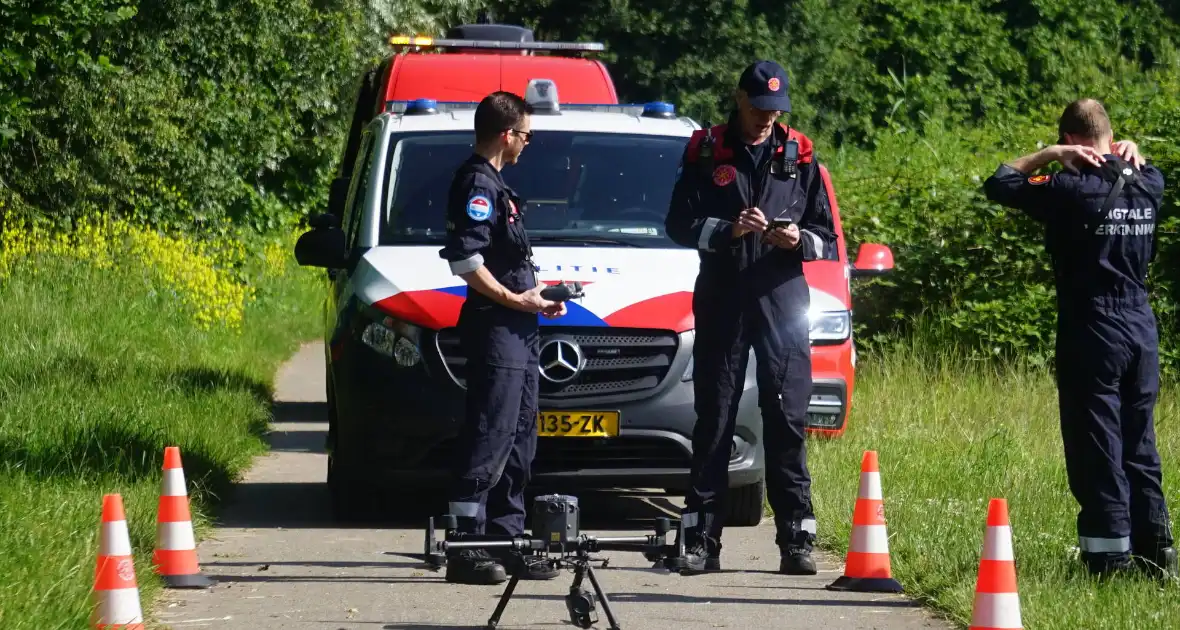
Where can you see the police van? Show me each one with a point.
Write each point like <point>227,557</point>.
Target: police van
<point>616,395</point>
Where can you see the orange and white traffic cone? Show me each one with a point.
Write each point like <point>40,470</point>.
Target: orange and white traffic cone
<point>997,602</point>
<point>866,567</point>
<point>116,592</point>
<point>175,558</point>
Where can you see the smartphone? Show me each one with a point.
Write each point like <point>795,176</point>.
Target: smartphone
<point>780,222</point>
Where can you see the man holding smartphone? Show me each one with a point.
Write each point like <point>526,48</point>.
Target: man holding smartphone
<point>754,201</point>
<point>487,246</point>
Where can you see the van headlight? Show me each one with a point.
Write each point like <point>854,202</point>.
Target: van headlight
<point>828,327</point>
<point>687,372</point>
<point>395,339</point>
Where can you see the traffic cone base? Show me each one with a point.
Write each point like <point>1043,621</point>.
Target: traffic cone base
<point>116,591</point>
<point>197,580</point>
<point>175,556</point>
<point>866,567</point>
<point>996,611</point>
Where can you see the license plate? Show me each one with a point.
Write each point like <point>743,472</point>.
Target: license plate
<point>578,423</point>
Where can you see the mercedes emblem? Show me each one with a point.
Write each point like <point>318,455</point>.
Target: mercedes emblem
<point>561,360</point>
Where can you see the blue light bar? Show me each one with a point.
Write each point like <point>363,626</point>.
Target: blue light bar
<point>659,109</point>
<point>408,107</point>
<point>421,106</point>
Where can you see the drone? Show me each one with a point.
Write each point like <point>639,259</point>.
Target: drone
<point>556,535</point>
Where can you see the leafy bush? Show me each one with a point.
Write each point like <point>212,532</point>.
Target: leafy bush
<point>852,61</point>
<point>189,113</point>
<point>974,272</point>
<point>207,275</point>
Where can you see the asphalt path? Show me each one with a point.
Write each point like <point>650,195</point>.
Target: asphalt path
<point>281,561</point>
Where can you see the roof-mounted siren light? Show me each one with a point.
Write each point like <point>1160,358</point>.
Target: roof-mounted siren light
<point>421,107</point>
<point>488,44</point>
<point>542,95</point>
<point>659,109</point>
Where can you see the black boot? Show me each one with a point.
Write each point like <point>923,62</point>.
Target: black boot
<point>1108,566</point>
<point>475,566</point>
<point>528,567</point>
<point>701,554</point>
<point>702,545</point>
<point>796,561</point>
<point>1163,565</point>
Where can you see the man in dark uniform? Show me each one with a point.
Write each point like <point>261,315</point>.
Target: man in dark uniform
<point>487,246</point>
<point>1100,219</point>
<point>754,201</point>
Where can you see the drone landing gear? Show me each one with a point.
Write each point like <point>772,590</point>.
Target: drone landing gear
<point>579,602</point>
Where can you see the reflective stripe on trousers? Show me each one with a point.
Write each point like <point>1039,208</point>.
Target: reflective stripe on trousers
<point>1104,545</point>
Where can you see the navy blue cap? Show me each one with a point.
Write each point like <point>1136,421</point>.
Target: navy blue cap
<point>765,82</point>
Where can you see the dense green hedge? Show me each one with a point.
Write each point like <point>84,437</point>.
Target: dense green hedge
<point>184,111</point>
<point>974,272</point>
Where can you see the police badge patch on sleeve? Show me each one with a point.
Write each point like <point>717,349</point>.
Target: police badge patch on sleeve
<point>479,208</point>
<point>1037,180</point>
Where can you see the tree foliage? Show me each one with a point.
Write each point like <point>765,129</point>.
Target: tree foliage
<point>188,112</point>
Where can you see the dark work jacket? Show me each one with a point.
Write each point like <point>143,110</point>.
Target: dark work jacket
<point>705,206</point>
<point>1099,258</point>
<point>485,226</point>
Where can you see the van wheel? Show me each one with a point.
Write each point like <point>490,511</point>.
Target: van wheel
<point>353,500</point>
<point>352,496</point>
<point>746,505</point>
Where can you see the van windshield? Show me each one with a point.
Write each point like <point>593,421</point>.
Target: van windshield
<point>579,188</point>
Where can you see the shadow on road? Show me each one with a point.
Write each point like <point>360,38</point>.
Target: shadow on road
<point>673,598</point>
<point>300,411</point>
<point>307,505</point>
<point>296,441</point>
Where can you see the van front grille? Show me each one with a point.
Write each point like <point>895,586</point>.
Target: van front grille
<point>614,361</point>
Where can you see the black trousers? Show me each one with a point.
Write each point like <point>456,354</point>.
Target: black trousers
<point>777,330</point>
<point>1108,382</point>
<point>498,439</point>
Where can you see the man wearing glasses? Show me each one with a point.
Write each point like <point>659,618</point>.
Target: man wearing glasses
<point>488,248</point>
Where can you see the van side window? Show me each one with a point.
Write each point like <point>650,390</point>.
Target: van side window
<point>354,206</point>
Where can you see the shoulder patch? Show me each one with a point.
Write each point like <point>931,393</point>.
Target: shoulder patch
<point>479,208</point>
<point>1037,180</point>
<point>724,175</point>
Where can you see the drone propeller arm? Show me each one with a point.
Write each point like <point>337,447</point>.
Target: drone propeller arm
<point>628,543</point>
<point>522,544</point>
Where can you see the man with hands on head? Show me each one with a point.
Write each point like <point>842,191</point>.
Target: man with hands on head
<point>487,247</point>
<point>753,201</point>
<point>1100,218</point>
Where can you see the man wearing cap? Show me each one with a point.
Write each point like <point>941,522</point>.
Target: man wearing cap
<point>754,202</point>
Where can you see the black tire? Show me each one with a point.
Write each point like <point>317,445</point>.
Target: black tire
<point>350,501</point>
<point>746,505</point>
<point>351,495</point>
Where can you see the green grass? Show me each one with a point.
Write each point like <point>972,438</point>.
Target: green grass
<point>949,438</point>
<point>99,371</point>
